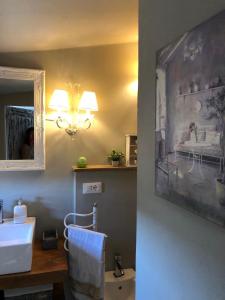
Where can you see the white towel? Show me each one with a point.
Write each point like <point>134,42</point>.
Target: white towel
<point>86,260</point>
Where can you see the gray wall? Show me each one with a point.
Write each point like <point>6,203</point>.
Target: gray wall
<point>179,255</point>
<point>116,211</point>
<point>108,70</point>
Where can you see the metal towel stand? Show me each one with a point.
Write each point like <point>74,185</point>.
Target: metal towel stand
<point>93,225</point>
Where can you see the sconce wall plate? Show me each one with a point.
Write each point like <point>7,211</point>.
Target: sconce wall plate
<point>75,121</point>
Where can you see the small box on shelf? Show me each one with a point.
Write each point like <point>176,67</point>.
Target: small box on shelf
<point>131,149</point>
<point>50,239</point>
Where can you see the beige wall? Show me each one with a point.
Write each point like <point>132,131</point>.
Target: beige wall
<point>179,255</point>
<point>108,70</point>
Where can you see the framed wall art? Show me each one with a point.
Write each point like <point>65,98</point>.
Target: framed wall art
<point>190,120</point>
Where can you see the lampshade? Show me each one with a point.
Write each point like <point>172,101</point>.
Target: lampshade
<point>59,100</point>
<point>88,101</point>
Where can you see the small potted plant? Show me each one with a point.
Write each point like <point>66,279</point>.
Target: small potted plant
<point>115,157</point>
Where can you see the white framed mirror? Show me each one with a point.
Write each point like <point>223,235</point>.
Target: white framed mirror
<point>22,140</point>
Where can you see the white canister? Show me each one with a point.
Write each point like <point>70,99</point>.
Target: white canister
<point>20,213</point>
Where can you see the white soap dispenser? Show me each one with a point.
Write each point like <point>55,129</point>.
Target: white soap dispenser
<point>20,213</point>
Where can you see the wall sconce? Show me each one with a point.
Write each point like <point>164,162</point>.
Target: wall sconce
<point>77,120</point>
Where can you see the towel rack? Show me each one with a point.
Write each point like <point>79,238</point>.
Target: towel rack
<point>93,225</point>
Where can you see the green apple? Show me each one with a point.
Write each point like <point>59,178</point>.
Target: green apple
<point>82,162</point>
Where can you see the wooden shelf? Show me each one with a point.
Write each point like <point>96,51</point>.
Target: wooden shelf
<point>48,266</point>
<point>91,168</point>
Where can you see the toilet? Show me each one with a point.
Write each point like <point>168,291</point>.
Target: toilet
<point>121,288</point>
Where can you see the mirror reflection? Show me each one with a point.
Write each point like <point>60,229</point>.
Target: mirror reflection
<point>16,119</point>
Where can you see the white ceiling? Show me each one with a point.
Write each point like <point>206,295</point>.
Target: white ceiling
<point>27,25</point>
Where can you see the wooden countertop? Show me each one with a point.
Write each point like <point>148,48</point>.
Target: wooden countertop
<point>48,266</point>
<point>91,168</point>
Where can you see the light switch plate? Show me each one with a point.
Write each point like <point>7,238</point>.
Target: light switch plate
<point>92,188</point>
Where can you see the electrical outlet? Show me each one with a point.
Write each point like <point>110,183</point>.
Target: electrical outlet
<point>92,188</point>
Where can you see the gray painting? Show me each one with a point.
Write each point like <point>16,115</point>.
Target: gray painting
<point>190,120</point>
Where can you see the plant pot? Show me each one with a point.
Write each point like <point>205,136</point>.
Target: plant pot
<point>115,163</point>
<point>220,191</point>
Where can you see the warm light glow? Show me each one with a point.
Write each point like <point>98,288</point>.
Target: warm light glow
<point>88,102</point>
<point>85,120</point>
<point>134,69</point>
<point>75,120</point>
<point>133,87</point>
<point>59,100</point>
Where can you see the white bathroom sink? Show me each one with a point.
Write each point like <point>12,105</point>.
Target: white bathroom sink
<point>16,246</point>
